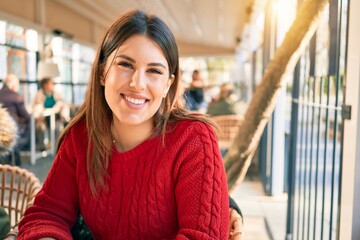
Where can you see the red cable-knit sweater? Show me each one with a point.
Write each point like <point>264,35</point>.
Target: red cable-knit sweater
<point>174,192</point>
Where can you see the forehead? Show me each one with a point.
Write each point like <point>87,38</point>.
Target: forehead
<point>141,47</point>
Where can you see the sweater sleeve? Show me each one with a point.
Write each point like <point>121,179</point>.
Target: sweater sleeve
<point>55,207</point>
<point>201,187</point>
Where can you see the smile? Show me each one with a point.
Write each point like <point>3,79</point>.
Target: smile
<point>134,100</point>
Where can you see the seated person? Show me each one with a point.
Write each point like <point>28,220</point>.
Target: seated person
<point>81,231</point>
<point>194,95</point>
<point>46,98</point>
<point>223,105</point>
<point>137,165</point>
<point>14,103</point>
<point>4,223</point>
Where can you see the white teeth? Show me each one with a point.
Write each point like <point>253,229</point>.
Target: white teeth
<point>135,101</point>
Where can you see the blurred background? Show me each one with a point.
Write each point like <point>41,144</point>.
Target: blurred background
<point>298,185</point>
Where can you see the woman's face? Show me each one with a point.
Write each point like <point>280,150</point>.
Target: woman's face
<point>136,81</point>
<point>49,86</point>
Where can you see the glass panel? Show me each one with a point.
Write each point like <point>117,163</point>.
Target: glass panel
<point>3,61</point>
<point>15,35</point>
<point>32,40</point>
<point>66,92</point>
<point>17,63</point>
<point>286,12</point>
<point>64,68</point>
<point>2,32</point>
<point>79,94</point>
<point>322,46</point>
<point>28,91</point>
<point>31,66</point>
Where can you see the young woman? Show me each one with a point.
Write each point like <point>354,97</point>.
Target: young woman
<point>133,161</point>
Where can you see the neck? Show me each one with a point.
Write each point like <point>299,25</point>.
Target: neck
<point>127,137</point>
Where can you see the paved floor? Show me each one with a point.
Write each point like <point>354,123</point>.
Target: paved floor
<point>264,216</point>
<point>41,168</point>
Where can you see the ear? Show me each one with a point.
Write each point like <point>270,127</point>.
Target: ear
<point>102,80</point>
<point>170,81</point>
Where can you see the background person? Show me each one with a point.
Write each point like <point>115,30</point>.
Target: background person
<point>223,104</point>
<point>194,95</point>
<point>4,223</point>
<point>46,98</point>
<point>14,103</point>
<point>133,161</point>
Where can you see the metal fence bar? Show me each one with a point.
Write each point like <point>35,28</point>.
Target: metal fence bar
<point>340,175</point>
<point>306,157</point>
<point>312,73</point>
<point>315,143</point>
<point>334,156</point>
<point>311,154</point>
<point>325,158</point>
<point>318,155</point>
<point>300,161</point>
<point>334,52</point>
<point>336,17</point>
<point>318,163</point>
<point>332,159</point>
<point>292,154</point>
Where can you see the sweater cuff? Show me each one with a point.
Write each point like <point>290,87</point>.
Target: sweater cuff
<point>45,231</point>
<point>233,205</point>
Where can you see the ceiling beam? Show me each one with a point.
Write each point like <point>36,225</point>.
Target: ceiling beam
<point>196,49</point>
<point>73,5</point>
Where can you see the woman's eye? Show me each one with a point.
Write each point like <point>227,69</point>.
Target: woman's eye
<point>125,64</point>
<point>153,70</point>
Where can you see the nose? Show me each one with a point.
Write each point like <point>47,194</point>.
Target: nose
<point>138,80</point>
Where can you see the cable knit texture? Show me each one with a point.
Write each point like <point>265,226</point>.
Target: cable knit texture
<point>153,192</point>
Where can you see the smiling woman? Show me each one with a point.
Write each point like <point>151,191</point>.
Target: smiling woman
<point>136,82</point>
<point>133,161</point>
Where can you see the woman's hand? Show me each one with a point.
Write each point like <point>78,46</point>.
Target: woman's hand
<point>236,225</point>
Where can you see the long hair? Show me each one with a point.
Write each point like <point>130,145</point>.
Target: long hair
<point>95,109</point>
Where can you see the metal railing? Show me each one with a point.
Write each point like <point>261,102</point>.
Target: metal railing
<point>315,153</point>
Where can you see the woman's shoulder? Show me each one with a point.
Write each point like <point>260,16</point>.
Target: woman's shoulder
<point>79,127</point>
<point>191,128</point>
<point>77,132</point>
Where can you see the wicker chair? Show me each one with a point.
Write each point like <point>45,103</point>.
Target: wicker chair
<point>18,188</point>
<point>229,126</point>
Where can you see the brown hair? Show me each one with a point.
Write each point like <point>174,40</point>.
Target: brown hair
<point>96,111</point>
<point>44,81</point>
<point>226,90</point>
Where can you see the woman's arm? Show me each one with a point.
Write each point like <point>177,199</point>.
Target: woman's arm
<point>55,208</point>
<point>38,104</point>
<point>201,189</point>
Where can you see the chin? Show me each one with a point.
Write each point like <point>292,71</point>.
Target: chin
<point>134,121</point>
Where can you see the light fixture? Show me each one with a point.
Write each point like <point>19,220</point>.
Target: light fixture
<point>47,70</point>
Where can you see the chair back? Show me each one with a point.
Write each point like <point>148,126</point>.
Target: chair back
<point>229,126</point>
<point>18,188</point>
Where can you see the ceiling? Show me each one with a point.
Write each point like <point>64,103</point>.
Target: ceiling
<point>201,27</point>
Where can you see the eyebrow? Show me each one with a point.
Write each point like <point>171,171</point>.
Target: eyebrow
<point>155,64</point>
